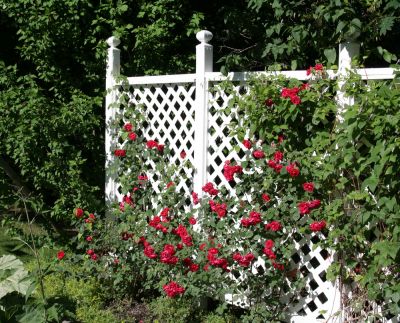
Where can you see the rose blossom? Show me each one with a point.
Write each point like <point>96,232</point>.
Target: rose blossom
<point>192,221</point>
<point>120,152</point>
<point>173,289</point>
<point>292,170</point>
<point>258,154</point>
<point>317,226</point>
<point>265,197</point>
<point>308,187</point>
<point>195,198</point>
<point>278,156</point>
<point>246,143</point>
<point>78,213</point>
<point>128,127</point>
<point>132,136</point>
<point>273,226</point>
<point>183,154</point>
<point>269,102</point>
<point>60,255</point>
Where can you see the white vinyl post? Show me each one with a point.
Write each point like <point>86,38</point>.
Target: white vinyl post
<point>204,63</point>
<point>347,51</point>
<point>113,71</point>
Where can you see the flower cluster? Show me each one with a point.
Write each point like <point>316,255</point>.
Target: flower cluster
<point>229,170</point>
<point>215,261</point>
<point>253,219</point>
<point>269,244</point>
<point>293,170</point>
<point>307,206</point>
<point>273,226</point>
<point>244,260</point>
<point>292,94</point>
<point>173,289</point>
<point>120,152</point>
<point>181,231</point>
<point>275,163</point>
<point>167,256</point>
<point>317,68</point>
<point>317,226</point>
<point>218,208</point>
<point>154,144</point>
<point>210,189</point>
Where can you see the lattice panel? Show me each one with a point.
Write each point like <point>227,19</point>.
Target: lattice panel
<point>169,109</point>
<point>320,294</point>
<point>220,144</point>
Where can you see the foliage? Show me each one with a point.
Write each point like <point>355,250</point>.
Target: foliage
<point>51,131</point>
<point>353,164</point>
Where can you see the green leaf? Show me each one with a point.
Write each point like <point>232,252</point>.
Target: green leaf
<point>13,276</point>
<point>330,54</point>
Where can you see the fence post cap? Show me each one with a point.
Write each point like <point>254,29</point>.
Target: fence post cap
<point>113,42</point>
<point>204,36</point>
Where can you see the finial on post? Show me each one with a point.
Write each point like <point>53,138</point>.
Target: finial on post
<point>113,42</point>
<point>204,36</point>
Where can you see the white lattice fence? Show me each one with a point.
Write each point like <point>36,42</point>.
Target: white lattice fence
<point>186,116</point>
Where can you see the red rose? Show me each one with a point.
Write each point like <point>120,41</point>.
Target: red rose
<point>151,144</point>
<point>60,255</point>
<point>268,102</point>
<point>210,189</point>
<point>179,246</point>
<point>78,213</point>
<point>89,238</point>
<point>128,127</point>
<point>90,252</point>
<point>183,154</point>
<point>258,154</point>
<point>192,221</point>
<point>195,198</point>
<point>309,70</point>
<point>173,289</point>
<point>317,226</point>
<point>292,170</point>
<point>273,226</point>
<point>120,152</point>
<point>202,246</point>
<point>246,143</point>
<point>194,267</point>
<point>278,266</point>
<point>278,156</point>
<point>170,184</point>
<point>295,100</point>
<point>94,257</point>
<point>266,197</point>
<point>308,187</point>
<point>132,136</point>
<point>319,67</point>
<point>269,244</point>
<point>303,208</point>
<point>160,148</point>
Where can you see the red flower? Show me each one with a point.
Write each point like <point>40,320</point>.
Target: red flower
<point>89,238</point>
<point>253,219</point>
<point>195,198</point>
<point>160,148</point>
<point>151,144</point>
<point>269,244</point>
<point>149,252</point>
<point>308,187</point>
<point>218,208</point>
<point>258,154</point>
<point>92,216</point>
<point>90,252</point>
<point>268,102</point>
<point>230,171</point>
<point>128,127</point>
<point>303,208</point>
<point>202,246</point>
<point>278,266</point>
<point>192,221</point>
<point>292,170</point>
<point>273,226</point>
<point>246,143</point>
<point>143,178</point>
<point>167,255</point>
<point>94,257</point>
<point>173,289</point>
<point>314,204</point>
<point>170,184</point>
<point>278,156</point>
<point>210,189</point>
<point>266,197</point>
<point>319,67</point>
<point>179,246</point>
<point>60,255</point>
<point>78,213</point>
<point>317,226</point>
<point>120,152</point>
<point>194,267</point>
<point>132,136</point>
<point>295,100</point>
<point>183,154</point>
<point>245,260</point>
<point>309,70</point>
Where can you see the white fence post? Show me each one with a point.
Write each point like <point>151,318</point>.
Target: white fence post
<point>347,51</point>
<point>204,63</point>
<point>113,71</point>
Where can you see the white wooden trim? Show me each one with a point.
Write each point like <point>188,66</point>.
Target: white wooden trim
<point>160,79</point>
<point>376,73</point>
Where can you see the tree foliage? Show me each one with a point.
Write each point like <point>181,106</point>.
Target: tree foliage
<point>53,58</point>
